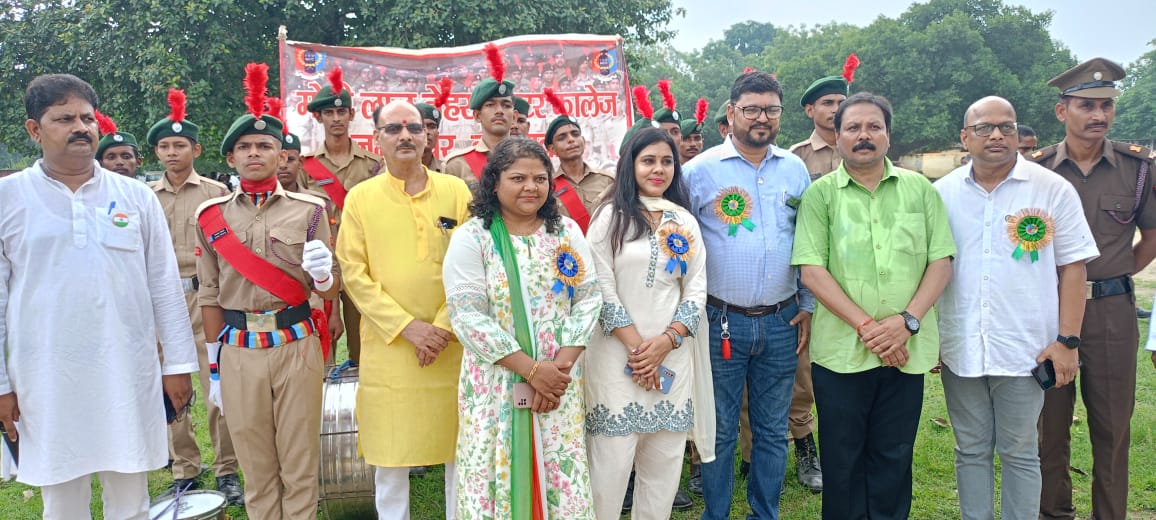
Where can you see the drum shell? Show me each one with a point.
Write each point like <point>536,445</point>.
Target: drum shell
<point>345,481</point>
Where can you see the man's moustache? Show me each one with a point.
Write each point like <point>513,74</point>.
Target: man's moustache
<point>863,145</point>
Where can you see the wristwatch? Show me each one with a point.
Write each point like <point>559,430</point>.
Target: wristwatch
<point>1072,342</point>
<point>911,322</point>
<point>676,337</point>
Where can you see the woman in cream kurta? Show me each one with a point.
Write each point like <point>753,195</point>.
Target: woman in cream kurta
<point>477,293</point>
<point>391,249</point>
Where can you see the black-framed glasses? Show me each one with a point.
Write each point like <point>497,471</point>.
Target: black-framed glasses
<point>395,128</point>
<point>986,129</point>
<point>752,113</point>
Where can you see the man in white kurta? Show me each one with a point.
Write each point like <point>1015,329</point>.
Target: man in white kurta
<point>88,283</point>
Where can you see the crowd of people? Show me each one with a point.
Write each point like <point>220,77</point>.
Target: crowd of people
<point>563,339</point>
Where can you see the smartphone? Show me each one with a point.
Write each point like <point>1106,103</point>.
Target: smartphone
<point>665,377</point>
<point>1045,374</point>
<point>13,446</point>
<point>523,395</point>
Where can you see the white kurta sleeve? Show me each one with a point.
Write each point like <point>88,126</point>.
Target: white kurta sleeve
<point>174,329</point>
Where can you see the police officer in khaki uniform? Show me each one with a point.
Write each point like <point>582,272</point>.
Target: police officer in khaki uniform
<point>181,190</point>
<point>1114,181</point>
<point>349,163</point>
<point>269,376</point>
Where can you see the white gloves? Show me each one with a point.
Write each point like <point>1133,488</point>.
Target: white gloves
<point>214,397</point>
<point>317,260</point>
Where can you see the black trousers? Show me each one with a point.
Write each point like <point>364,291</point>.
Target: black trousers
<point>867,430</point>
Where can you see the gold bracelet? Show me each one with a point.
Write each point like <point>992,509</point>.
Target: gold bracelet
<point>530,376</point>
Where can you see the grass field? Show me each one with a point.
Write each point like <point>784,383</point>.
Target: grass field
<point>935,493</point>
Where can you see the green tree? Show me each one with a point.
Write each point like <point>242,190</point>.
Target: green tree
<point>133,51</point>
<point>1136,109</point>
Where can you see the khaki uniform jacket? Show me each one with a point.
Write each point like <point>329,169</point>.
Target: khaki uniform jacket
<point>457,166</point>
<point>819,157</point>
<point>277,232</point>
<point>362,165</point>
<point>180,204</point>
<point>592,189</point>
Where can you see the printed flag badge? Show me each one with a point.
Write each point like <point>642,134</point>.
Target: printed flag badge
<point>120,220</point>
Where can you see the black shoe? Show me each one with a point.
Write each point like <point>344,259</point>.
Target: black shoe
<point>628,501</point>
<point>809,475</point>
<point>182,485</point>
<point>682,501</point>
<point>744,469</point>
<point>230,485</point>
<point>694,485</point>
<point>417,471</point>
<point>1143,314</point>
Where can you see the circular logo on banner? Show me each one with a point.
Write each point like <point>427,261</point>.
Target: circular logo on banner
<point>310,62</point>
<point>120,220</point>
<point>604,62</point>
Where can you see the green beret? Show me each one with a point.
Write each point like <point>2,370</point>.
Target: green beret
<point>666,115</point>
<point>429,112</point>
<point>823,86</point>
<point>325,98</point>
<point>638,125</point>
<point>522,106</point>
<point>290,142</point>
<point>490,88</point>
<point>557,124</point>
<point>247,125</point>
<point>167,128</point>
<point>689,126</point>
<point>720,117</point>
<point>117,139</point>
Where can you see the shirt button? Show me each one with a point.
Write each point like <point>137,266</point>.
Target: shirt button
<point>877,246</point>
<point>985,305</point>
<point>987,223</point>
<point>986,251</point>
<point>985,277</point>
<point>258,250</point>
<point>257,218</point>
<point>881,273</point>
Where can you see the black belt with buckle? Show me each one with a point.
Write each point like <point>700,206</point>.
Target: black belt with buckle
<point>750,312</point>
<point>1111,287</point>
<point>256,322</point>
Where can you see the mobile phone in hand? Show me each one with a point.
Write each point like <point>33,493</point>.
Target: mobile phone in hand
<point>1045,374</point>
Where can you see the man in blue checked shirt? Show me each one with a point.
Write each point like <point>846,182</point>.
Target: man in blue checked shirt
<point>745,194</point>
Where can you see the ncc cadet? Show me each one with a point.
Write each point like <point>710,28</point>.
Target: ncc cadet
<point>289,176</point>
<point>720,120</point>
<point>521,126</point>
<point>691,132</point>
<point>492,102</point>
<point>117,151</point>
<point>264,251</point>
<point>181,190</point>
<point>579,187</point>
<point>1114,181</point>
<point>431,117</point>
<point>820,101</point>
<point>667,117</point>
<point>336,167</point>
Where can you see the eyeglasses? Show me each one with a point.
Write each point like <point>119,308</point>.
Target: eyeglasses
<point>986,129</point>
<point>395,128</point>
<point>752,113</point>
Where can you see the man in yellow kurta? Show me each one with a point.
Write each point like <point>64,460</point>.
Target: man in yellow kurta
<point>394,234</point>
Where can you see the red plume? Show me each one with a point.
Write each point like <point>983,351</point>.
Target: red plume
<point>667,95</point>
<point>105,124</point>
<point>445,87</point>
<point>256,77</point>
<point>176,105</point>
<point>700,110</point>
<point>336,81</point>
<point>748,70</point>
<point>495,62</point>
<point>849,67</point>
<point>642,102</point>
<point>276,107</point>
<point>555,101</point>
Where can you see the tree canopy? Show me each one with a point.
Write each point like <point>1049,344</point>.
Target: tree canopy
<point>1136,108</point>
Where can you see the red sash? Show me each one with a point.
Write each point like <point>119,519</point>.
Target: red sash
<point>477,161</point>
<point>326,180</point>
<point>258,270</point>
<point>568,196</point>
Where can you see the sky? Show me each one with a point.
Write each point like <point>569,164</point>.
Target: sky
<point>1115,29</point>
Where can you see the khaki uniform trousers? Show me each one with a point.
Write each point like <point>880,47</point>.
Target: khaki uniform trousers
<point>1107,379</point>
<point>182,439</point>
<point>273,400</point>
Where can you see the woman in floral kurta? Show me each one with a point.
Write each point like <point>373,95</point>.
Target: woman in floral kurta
<point>653,278</point>
<point>477,294</point>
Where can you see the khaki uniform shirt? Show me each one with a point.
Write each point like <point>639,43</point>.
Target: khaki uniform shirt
<point>277,232</point>
<point>436,165</point>
<point>180,204</point>
<point>820,157</point>
<point>1110,186</point>
<point>593,187</point>
<point>362,165</point>
<point>457,166</point>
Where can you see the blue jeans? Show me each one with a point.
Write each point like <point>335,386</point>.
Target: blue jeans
<point>762,358</point>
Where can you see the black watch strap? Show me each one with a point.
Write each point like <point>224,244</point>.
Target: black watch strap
<point>1072,342</point>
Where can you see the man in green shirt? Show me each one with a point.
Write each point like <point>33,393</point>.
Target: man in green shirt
<point>875,248</point>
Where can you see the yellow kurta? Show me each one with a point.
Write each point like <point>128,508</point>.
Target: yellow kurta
<point>391,248</point>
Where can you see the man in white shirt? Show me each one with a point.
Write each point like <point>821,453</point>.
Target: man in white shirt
<point>88,282</point>
<point>1016,299</point>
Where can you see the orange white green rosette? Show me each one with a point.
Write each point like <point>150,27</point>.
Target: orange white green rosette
<point>1031,230</point>
<point>733,207</point>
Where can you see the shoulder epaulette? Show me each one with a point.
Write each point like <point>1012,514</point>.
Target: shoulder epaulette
<point>1134,150</point>
<point>457,153</point>
<point>1039,156</point>
<point>798,145</point>
<point>212,202</point>
<point>305,197</point>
